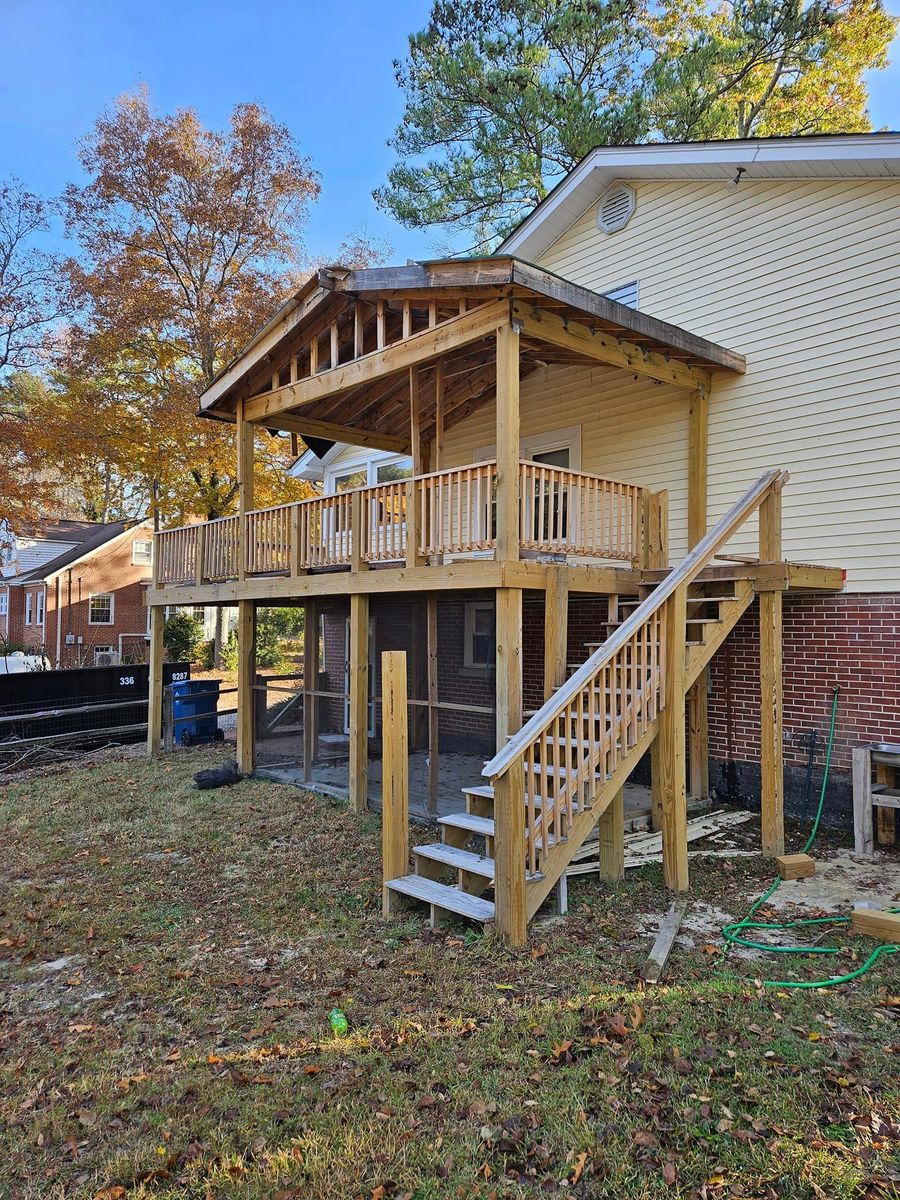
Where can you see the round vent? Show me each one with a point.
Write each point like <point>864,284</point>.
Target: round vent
<point>615,207</point>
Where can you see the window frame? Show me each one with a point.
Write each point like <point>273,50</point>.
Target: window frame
<point>4,603</point>
<point>142,562</point>
<point>40,608</point>
<point>29,609</point>
<point>112,609</point>
<point>472,607</point>
<point>351,466</point>
<point>568,438</point>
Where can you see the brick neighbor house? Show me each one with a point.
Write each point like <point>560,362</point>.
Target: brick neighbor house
<point>625,492</point>
<point>76,591</point>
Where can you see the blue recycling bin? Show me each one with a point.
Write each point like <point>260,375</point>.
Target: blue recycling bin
<point>195,703</point>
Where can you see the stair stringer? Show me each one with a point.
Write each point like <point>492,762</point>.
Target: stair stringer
<point>698,654</point>
<point>578,832</point>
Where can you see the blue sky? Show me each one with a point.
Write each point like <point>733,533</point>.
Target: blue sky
<point>324,69</point>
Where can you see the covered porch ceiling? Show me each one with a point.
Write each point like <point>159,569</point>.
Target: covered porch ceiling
<point>355,352</point>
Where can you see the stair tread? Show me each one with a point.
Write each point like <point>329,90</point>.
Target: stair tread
<point>464,820</point>
<point>484,791</point>
<point>443,896</point>
<point>462,860</point>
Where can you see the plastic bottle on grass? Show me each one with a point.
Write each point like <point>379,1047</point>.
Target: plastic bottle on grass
<point>338,1023</point>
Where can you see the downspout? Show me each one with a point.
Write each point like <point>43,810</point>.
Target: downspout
<point>58,598</point>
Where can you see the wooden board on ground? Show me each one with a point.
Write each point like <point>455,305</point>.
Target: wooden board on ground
<point>876,923</point>
<point>646,847</point>
<point>665,940</point>
<point>795,866</point>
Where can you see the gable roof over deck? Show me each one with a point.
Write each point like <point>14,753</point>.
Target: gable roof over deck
<point>335,362</point>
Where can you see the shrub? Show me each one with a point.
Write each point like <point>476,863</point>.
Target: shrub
<point>269,631</point>
<point>183,637</point>
<point>230,652</point>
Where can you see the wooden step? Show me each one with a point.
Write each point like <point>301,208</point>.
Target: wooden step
<point>444,897</point>
<point>462,860</point>
<point>484,826</point>
<point>483,791</point>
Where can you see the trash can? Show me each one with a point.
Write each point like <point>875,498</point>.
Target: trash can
<point>198,700</point>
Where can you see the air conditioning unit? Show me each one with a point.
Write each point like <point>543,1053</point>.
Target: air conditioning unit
<point>106,658</point>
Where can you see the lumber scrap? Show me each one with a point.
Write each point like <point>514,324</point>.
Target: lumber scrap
<point>645,846</point>
<point>795,866</point>
<point>876,923</point>
<point>656,962</point>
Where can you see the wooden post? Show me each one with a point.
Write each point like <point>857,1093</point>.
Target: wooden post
<point>507,444</point>
<point>246,635</point>
<point>885,820</point>
<point>556,628</point>
<point>155,693</point>
<point>200,558</point>
<point>359,512</point>
<point>395,773</point>
<point>310,685</point>
<point>412,524</point>
<point>509,855</point>
<point>438,443</point>
<point>698,697</point>
<point>770,685</point>
<point>245,485</point>
<point>612,839</point>
<point>415,423</point>
<point>671,753</point>
<point>863,826</point>
<point>508,663</point>
<point>359,702</point>
<point>434,714</point>
<point>168,719</point>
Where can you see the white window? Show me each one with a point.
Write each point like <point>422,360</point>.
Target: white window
<point>100,611</point>
<point>366,472</point>
<point>39,597</point>
<point>4,604</point>
<point>626,293</point>
<point>141,552</point>
<point>480,635</point>
<point>29,608</point>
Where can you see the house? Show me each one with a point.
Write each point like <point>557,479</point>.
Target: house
<point>75,591</point>
<point>658,530</point>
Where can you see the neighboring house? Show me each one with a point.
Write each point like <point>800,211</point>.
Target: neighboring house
<point>76,590</point>
<point>587,477</point>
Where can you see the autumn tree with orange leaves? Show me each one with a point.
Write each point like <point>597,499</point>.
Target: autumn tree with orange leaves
<point>189,239</point>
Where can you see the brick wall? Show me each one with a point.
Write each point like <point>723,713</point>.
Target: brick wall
<point>107,570</point>
<point>849,641</point>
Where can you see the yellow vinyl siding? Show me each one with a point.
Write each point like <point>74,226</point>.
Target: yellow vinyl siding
<point>803,277</point>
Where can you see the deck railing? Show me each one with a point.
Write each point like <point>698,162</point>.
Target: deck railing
<point>453,512</point>
<point>575,742</point>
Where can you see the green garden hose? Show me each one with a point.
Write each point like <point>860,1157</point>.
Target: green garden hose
<point>732,933</point>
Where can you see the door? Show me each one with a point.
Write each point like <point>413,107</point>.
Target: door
<point>550,503</point>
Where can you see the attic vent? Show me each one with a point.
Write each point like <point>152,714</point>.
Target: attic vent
<point>615,207</point>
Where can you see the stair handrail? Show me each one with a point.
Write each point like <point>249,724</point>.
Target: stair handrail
<point>682,574</point>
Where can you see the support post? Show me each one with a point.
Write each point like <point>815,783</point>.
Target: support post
<point>434,715</point>
<point>395,774</point>
<point>359,702</point>
<point>507,444</point>
<point>698,696</point>
<point>509,855</point>
<point>770,684</point>
<point>155,693</point>
<point>310,685</point>
<point>245,485</point>
<point>671,752</point>
<point>556,623</point>
<point>246,635</point>
<point>358,517</point>
<point>168,719</point>
<point>508,672</point>
<point>657,556</point>
<point>612,839</point>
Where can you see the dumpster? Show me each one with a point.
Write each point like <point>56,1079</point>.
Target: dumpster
<point>195,702</point>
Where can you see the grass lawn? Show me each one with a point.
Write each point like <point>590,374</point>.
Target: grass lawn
<point>168,960</point>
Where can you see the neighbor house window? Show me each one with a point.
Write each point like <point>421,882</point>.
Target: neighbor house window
<point>480,635</point>
<point>4,603</point>
<point>29,608</point>
<point>101,609</point>
<point>39,598</point>
<point>141,552</point>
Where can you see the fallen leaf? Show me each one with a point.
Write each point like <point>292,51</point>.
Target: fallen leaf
<point>114,1192</point>
<point>669,1174</point>
<point>578,1168</point>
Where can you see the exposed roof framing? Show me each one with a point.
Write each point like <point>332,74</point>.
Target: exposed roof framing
<point>335,361</point>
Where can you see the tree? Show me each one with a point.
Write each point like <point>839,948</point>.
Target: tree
<point>189,241</point>
<point>503,97</point>
<point>30,303</point>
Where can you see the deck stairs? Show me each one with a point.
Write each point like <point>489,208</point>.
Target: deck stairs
<point>455,876</point>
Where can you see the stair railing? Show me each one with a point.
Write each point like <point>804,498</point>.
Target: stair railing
<point>578,738</point>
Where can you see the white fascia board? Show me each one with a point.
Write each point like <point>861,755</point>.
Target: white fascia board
<point>566,203</point>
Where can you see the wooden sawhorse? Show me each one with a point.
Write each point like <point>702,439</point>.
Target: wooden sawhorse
<point>882,795</point>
